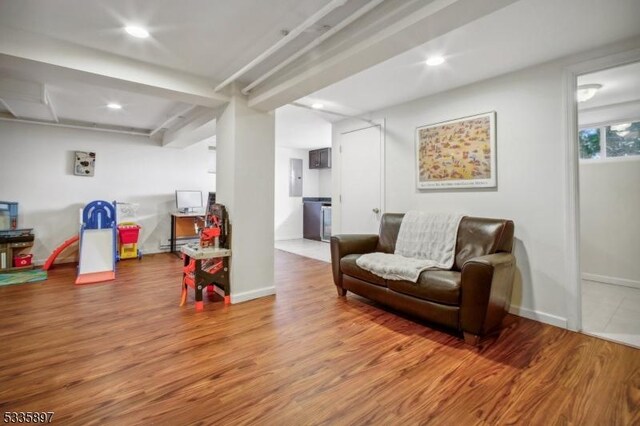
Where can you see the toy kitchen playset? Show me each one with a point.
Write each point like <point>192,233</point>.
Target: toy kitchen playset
<point>14,242</point>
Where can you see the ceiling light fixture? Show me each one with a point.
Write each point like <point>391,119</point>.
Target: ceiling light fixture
<point>114,106</point>
<point>620,127</point>
<point>433,61</point>
<point>587,91</point>
<point>317,105</point>
<point>136,31</point>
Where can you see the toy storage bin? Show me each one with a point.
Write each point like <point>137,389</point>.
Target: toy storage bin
<point>128,234</point>
<point>21,260</point>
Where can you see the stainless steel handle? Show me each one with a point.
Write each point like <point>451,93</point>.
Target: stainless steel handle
<point>376,211</point>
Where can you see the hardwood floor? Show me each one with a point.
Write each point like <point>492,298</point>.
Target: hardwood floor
<point>125,353</point>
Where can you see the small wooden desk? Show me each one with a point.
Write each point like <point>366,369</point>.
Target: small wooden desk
<point>202,278</point>
<point>175,218</point>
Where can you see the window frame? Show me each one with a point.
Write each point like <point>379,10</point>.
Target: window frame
<point>602,129</point>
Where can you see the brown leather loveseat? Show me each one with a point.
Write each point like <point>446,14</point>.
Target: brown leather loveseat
<point>472,297</point>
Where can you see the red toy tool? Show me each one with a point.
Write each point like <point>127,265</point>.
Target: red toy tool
<point>209,234</point>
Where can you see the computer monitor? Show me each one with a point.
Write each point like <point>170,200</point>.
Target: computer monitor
<point>188,200</point>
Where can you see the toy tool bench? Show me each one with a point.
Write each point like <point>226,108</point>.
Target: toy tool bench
<point>206,264</point>
<point>205,267</point>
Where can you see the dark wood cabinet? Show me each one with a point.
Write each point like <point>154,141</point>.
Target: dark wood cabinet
<point>314,159</point>
<point>325,158</point>
<point>320,158</point>
<point>311,220</point>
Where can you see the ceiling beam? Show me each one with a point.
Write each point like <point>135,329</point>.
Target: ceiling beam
<point>74,124</point>
<point>313,19</point>
<point>8,108</point>
<point>170,119</point>
<point>201,125</point>
<point>387,31</point>
<point>47,101</point>
<point>18,47</point>
<point>330,33</point>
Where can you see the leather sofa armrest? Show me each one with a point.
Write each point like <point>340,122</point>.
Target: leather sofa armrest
<point>342,245</point>
<point>487,283</point>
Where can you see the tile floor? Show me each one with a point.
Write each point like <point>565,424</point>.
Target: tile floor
<point>611,312</point>
<point>307,248</point>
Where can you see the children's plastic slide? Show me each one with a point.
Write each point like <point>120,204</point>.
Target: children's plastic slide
<point>49,263</point>
<point>97,243</point>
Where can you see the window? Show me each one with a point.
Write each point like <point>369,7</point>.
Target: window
<point>612,141</point>
<point>623,140</point>
<point>589,143</point>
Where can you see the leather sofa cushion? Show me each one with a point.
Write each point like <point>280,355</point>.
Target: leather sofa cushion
<point>481,236</point>
<point>436,286</point>
<point>349,267</point>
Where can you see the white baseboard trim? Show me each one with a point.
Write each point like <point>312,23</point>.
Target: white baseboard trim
<point>253,294</point>
<point>539,316</point>
<point>288,237</point>
<point>611,280</point>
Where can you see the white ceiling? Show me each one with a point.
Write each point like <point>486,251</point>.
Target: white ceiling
<point>520,35</point>
<point>617,100</point>
<point>214,38</point>
<point>619,85</point>
<point>211,38</point>
<point>78,101</point>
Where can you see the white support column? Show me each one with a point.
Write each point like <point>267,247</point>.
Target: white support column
<point>245,164</point>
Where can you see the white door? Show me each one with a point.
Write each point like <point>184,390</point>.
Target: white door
<point>361,181</point>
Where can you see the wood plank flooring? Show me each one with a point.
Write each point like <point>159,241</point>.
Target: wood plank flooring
<point>124,353</point>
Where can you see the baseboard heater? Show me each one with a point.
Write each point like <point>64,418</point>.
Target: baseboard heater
<point>179,243</point>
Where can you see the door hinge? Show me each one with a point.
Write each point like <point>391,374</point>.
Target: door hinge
<point>340,197</point>
<point>340,149</point>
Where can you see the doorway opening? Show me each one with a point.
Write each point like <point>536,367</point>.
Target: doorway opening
<point>303,182</point>
<point>608,141</point>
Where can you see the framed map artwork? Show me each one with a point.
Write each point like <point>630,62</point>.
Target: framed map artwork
<point>457,154</point>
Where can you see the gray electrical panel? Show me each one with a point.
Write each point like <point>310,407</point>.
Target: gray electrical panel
<point>295,177</point>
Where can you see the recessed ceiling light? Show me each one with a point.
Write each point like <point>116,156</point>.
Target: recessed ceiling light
<point>317,105</point>
<point>136,31</point>
<point>587,91</point>
<point>432,61</point>
<point>114,106</point>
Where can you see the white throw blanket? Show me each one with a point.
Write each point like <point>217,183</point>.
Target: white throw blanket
<point>425,241</point>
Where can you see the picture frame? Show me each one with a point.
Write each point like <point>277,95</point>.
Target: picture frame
<point>84,163</point>
<point>459,153</point>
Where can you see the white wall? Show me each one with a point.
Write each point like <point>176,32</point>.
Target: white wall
<point>301,128</point>
<point>36,169</point>
<point>609,212</point>
<point>324,183</point>
<point>531,170</point>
